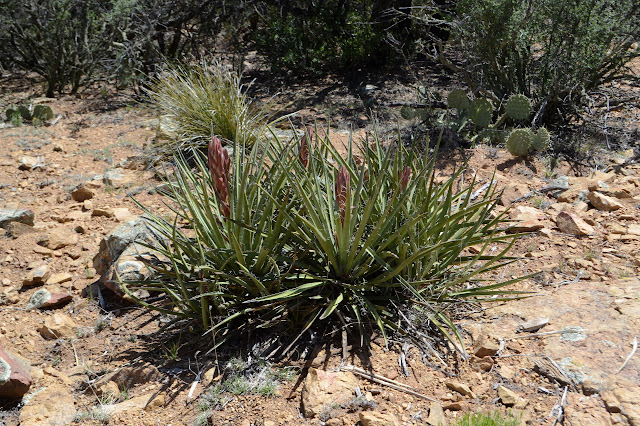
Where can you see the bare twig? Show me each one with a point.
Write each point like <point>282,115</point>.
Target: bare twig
<point>547,333</point>
<point>633,351</point>
<point>387,382</point>
<point>558,409</point>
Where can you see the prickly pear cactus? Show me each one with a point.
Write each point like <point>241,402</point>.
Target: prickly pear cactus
<point>458,99</point>
<point>43,112</point>
<point>541,140</point>
<point>24,112</point>
<point>38,299</point>
<point>5,371</point>
<point>11,114</point>
<point>481,112</point>
<point>518,107</point>
<point>519,142</point>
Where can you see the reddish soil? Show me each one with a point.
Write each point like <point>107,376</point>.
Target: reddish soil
<point>588,282</point>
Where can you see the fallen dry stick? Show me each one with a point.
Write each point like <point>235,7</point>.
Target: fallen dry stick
<point>633,351</point>
<point>386,382</point>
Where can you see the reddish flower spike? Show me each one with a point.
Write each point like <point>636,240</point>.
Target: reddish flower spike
<point>303,153</point>
<point>405,177</point>
<point>343,184</point>
<point>219,165</point>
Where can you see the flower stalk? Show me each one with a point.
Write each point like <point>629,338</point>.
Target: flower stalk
<point>219,164</point>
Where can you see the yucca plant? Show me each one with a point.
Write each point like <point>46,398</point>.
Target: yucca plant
<point>298,235</point>
<point>199,101</point>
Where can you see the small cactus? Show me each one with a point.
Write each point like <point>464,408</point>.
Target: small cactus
<point>518,107</point>
<point>541,140</point>
<point>481,112</point>
<point>458,99</point>
<point>519,142</point>
<point>43,112</point>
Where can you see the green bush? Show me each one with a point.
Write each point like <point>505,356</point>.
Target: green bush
<point>286,237</point>
<point>315,37</point>
<point>551,51</point>
<point>494,418</point>
<point>65,41</point>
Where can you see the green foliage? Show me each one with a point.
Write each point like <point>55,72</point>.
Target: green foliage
<point>301,239</point>
<point>551,51</point>
<point>62,40</point>
<point>494,418</point>
<point>519,142</point>
<point>202,100</point>
<point>313,36</point>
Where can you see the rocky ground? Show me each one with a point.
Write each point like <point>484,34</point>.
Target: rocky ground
<point>83,354</point>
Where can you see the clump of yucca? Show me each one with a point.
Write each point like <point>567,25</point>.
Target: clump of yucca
<point>297,236</point>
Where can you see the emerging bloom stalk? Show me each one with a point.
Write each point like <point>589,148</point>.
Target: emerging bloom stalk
<point>303,153</point>
<point>405,177</point>
<point>219,165</point>
<point>343,185</point>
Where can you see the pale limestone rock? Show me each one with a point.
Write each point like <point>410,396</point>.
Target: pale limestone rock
<point>322,388</point>
<point>571,223</point>
<point>52,406</point>
<point>58,326</point>
<point>603,202</point>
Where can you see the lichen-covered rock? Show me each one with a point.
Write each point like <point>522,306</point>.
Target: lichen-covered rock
<point>14,379</point>
<point>11,215</point>
<point>114,244</point>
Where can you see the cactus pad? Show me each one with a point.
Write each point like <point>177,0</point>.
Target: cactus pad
<point>519,142</point>
<point>24,112</point>
<point>11,113</point>
<point>43,112</point>
<point>458,99</point>
<point>518,107</point>
<point>481,112</point>
<point>541,140</point>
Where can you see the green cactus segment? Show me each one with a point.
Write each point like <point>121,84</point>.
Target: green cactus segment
<point>519,142</point>
<point>518,107</point>
<point>12,113</point>
<point>5,371</point>
<point>481,112</point>
<point>458,99</point>
<point>541,140</point>
<point>43,112</point>
<point>24,112</point>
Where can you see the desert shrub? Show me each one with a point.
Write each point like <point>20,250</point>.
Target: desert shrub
<point>318,36</point>
<point>554,52</point>
<point>494,418</point>
<point>198,101</point>
<point>294,238</point>
<point>62,40</point>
